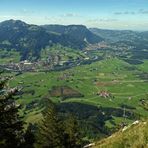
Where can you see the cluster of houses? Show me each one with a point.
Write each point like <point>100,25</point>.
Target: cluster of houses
<point>21,66</point>
<point>104,94</point>
<point>53,61</point>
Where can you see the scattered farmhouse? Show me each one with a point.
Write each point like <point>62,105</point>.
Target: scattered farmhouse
<point>104,94</point>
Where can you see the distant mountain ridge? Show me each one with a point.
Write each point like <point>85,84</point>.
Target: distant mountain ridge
<point>30,39</point>
<point>79,32</point>
<point>116,35</point>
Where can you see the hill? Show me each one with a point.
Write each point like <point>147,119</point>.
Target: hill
<point>77,32</point>
<point>133,136</point>
<point>30,39</point>
<point>25,38</point>
<point>117,35</point>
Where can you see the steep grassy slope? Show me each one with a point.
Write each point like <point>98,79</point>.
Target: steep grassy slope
<point>134,136</point>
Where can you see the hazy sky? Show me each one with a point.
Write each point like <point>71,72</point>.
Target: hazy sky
<point>111,14</point>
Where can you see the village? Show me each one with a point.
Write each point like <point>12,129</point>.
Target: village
<point>58,61</point>
<point>53,62</point>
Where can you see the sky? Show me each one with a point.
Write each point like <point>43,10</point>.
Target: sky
<point>106,14</point>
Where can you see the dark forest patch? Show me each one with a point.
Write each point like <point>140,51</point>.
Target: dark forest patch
<point>133,61</point>
<point>91,118</point>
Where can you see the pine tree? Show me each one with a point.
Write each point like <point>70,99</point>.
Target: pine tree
<point>72,134</point>
<point>49,133</point>
<point>55,132</point>
<point>11,126</point>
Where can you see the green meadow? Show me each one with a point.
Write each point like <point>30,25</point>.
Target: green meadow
<point>122,80</point>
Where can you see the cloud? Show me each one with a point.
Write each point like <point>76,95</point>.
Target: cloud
<point>104,20</point>
<point>71,15</point>
<point>117,13</point>
<point>129,12</point>
<point>108,20</point>
<point>125,13</point>
<point>142,11</point>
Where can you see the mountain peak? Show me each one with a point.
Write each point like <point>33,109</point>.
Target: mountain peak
<point>12,22</point>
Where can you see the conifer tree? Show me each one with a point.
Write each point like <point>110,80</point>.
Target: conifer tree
<point>72,134</point>
<point>49,133</point>
<point>55,132</point>
<point>11,126</point>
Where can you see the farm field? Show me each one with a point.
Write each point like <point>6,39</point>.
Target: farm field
<point>126,88</point>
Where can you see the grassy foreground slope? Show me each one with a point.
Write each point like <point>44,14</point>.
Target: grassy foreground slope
<point>134,136</point>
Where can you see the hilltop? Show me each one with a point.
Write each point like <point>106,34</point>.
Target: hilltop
<point>77,32</point>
